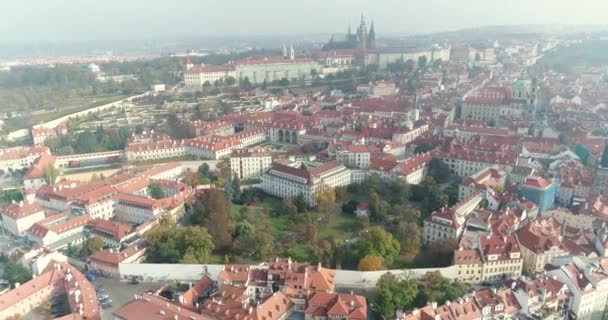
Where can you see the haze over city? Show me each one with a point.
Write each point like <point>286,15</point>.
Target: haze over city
<point>304,160</point>
<point>31,21</point>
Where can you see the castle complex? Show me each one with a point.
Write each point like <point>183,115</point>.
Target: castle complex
<point>362,39</point>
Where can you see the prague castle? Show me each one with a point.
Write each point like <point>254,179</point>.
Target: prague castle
<point>362,39</point>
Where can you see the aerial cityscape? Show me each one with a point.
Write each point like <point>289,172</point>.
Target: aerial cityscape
<point>395,164</point>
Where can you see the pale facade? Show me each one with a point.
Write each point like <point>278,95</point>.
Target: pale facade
<point>284,182</point>
<point>249,165</point>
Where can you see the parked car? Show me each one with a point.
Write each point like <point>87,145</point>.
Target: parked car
<point>90,276</point>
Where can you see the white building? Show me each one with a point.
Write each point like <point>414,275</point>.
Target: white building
<point>357,156</point>
<point>196,76</point>
<point>17,218</point>
<point>253,162</point>
<point>588,283</point>
<point>285,181</point>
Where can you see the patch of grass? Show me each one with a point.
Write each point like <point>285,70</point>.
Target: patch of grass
<point>280,224</point>
<point>340,226</point>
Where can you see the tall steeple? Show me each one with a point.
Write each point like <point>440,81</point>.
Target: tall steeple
<point>362,35</point>
<point>292,53</point>
<point>372,37</point>
<point>284,51</point>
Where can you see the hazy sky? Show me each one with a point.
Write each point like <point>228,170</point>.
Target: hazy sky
<point>58,20</point>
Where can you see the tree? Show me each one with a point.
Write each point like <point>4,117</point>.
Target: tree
<point>244,229</point>
<point>204,172</point>
<point>94,244</point>
<point>191,179</point>
<point>409,236</point>
<point>198,244</point>
<point>245,83</point>
<point>422,61</point>
<point>287,207</point>
<point>371,263</point>
<point>284,82</point>
<point>14,272</point>
<point>168,243</point>
<point>230,81</point>
<point>604,161</point>
<point>236,188</point>
<point>229,191</point>
<point>212,211</point>
<point>300,203</point>
<point>434,287</point>
<point>394,293</point>
<point>381,243</point>
<point>8,196</point>
<point>439,170</point>
<point>325,194</point>
<point>50,174</point>
<point>378,207</point>
<point>156,191</point>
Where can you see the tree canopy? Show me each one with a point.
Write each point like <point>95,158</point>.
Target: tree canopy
<point>371,263</point>
<point>381,243</point>
<point>169,243</point>
<point>394,293</point>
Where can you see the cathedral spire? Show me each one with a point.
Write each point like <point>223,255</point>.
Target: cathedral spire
<point>284,51</point>
<point>349,32</point>
<point>292,53</point>
<point>372,37</point>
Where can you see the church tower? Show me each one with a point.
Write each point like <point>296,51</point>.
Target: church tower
<point>372,37</point>
<point>284,51</point>
<point>292,53</point>
<point>362,35</point>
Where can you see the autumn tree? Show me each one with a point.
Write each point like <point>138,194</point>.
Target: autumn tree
<point>409,236</point>
<point>381,243</point>
<point>191,179</point>
<point>50,174</point>
<point>94,244</point>
<point>371,263</point>
<point>212,211</point>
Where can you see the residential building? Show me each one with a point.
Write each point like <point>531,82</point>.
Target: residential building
<point>489,104</point>
<point>463,308</point>
<point>545,295</point>
<point>18,158</point>
<point>487,178</point>
<point>252,162</point>
<point>539,190</point>
<point>17,218</point>
<point>324,306</point>
<point>540,242</point>
<point>57,279</point>
<point>587,281</point>
<point>106,263</point>
<point>496,303</point>
<point>448,223</point>
<point>59,230</point>
<point>149,306</point>
<point>195,76</point>
<point>285,181</point>
<point>112,233</point>
<point>355,156</point>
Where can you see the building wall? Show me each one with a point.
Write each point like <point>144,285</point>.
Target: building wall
<point>246,167</point>
<point>18,227</point>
